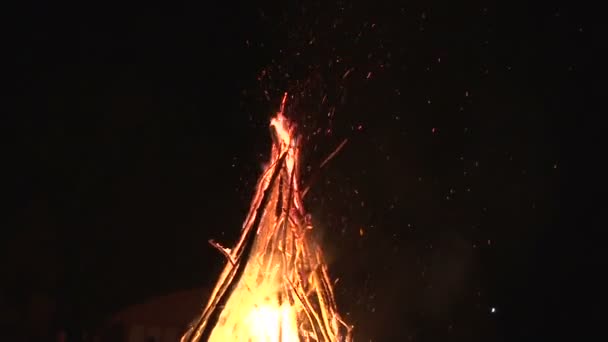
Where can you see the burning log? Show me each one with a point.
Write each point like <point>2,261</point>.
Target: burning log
<point>275,285</point>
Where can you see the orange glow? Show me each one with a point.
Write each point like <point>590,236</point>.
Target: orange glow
<point>275,286</point>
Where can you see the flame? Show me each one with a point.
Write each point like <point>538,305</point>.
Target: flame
<point>275,286</point>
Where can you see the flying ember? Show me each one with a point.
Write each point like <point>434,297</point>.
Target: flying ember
<point>275,286</point>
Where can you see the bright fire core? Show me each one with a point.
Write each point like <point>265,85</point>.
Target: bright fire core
<point>275,286</point>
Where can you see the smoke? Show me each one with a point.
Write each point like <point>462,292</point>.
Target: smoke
<point>449,270</point>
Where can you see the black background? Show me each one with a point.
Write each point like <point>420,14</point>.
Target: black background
<point>136,133</point>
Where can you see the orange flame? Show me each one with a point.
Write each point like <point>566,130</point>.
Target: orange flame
<point>275,285</point>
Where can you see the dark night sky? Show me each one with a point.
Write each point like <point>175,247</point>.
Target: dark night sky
<point>136,133</point>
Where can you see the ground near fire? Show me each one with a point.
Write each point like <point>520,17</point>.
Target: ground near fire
<point>458,205</point>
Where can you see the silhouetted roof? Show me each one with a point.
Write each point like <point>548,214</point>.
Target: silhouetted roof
<point>175,309</point>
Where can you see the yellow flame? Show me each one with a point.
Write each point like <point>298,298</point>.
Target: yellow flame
<point>256,315</point>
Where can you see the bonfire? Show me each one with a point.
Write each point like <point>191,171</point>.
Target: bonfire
<point>275,286</point>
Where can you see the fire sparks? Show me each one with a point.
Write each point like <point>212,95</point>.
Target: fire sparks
<point>275,285</point>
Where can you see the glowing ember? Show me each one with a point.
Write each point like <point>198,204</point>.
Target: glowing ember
<point>275,285</point>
